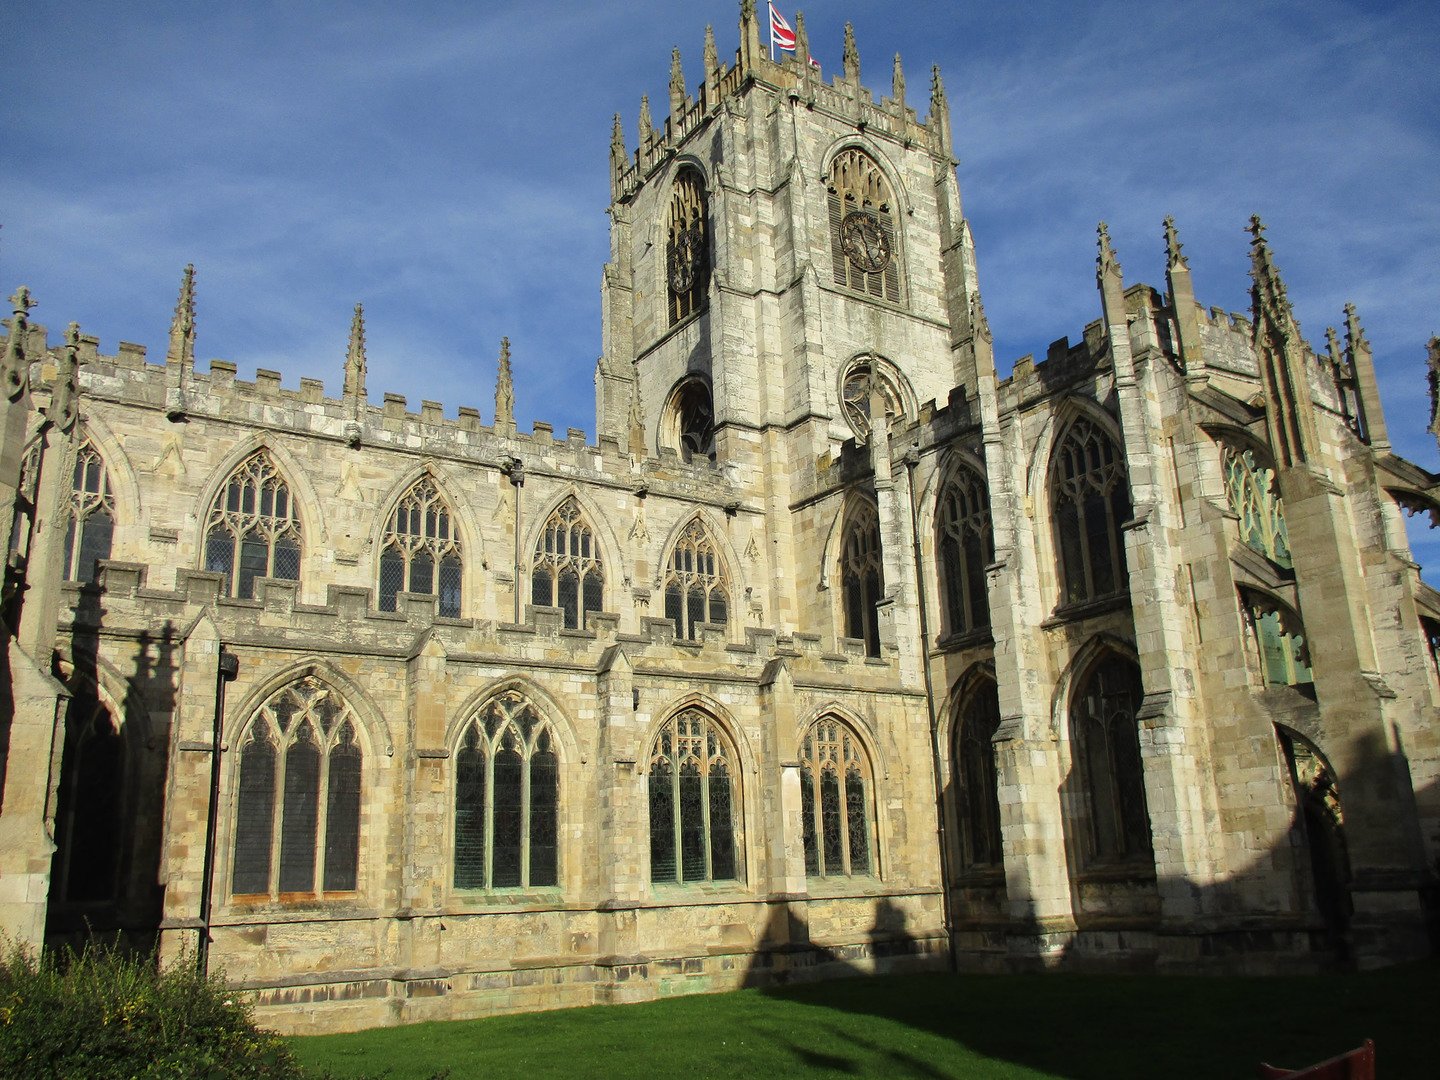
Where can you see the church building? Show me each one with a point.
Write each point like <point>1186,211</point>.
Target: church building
<point>834,652</point>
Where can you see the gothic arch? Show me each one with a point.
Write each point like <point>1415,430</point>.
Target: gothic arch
<point>1057,424</point>
<point>559,719</point>
<point>474,586</point>
<point>893,383</point>
<point>723,718</point>
<point>723,548</point>
<point>307,503</point>
<point>834,535</point>
<point>871,149</point>
<point>124,487</point>
<point>1091,653</point>
<point>612,554</point>
<point>374,728</point>
<point>948,707</point>
<point>858,724</point>
<point>686,423</point>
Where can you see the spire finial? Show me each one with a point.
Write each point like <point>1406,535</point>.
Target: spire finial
<point>937,88</point>
<point>1354,332</point>
<point>1332,346</point>
<point>1256,229</point>
<point>1173,256</point>
<point>852,55</point>
<point>1270,286</point>
<point>802,44</point>
<point>15,371</point>
<point>182,326</point>
<point>978,321</point>
<point>355,364</point>
<point>636,421</point>
<point>64,407</point>
<point>617,139</point>
<point>897,84</point>
<point>677,85</point>
<point>504,391</point>
<point>712,58</point>
<point>1433,362</point>
<point>1105,262</point>
<point>647,126</point>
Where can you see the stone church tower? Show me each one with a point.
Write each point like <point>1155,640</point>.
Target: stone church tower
<point>834,652</point>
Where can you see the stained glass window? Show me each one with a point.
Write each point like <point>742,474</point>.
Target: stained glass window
<point>1107,754</point>
<point>567,572</point>
<point>420,552</point>
<point>977,785</point>
<point>253,530</point>
<point>856,189</point>
<point>507,798</point>
<point>967,545</point>
<point>835,801</point>
<point>1280,638</point>
<point>92,516</point>
<point>696,588</point>
<point>1250,488</point>
<point>693,802</point>
<point>298,790</point>
<point>1090,498</point>
<point>862,576</point>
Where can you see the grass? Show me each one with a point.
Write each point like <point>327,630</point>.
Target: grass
<point>1080,1027</point>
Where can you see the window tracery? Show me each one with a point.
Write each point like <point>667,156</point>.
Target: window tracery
<point>1090,498</point>
<point>253,530</point>
<point>691,421</point>
<point>865,377</point>
<point>862,576</point>
<point>92,516</point>
<point>977,796</point>
<point>967,545</point>
<point>835,801</point>
<point>1107,754</point>
<point>696,588</point>
<point>566,571</point>
<point>687,247</point>
<point>507,798</point>
<point>420,552</point>
<point>298,794</point>
<point>1280,641</point>
<point>694,834</point>
<point>1250,489</point>
<point>863,249</point>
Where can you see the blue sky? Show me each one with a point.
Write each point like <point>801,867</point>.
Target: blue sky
<point>446,164</point>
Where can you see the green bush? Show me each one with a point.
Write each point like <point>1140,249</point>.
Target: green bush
<point>103,1013</point>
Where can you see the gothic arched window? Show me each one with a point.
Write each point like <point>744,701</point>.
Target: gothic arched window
<point>862,576</point>
<point>687,246</point>
<point>977,797</point>
<point>507,798</point>
<point>419,552</point>
<point>1250,488</point>
<point>298,793</point>
<point>835,800</point>
<point>253,530</point>
<point>566,572</point>
<point>865,376</point>
<point>966,543</point>
<point>863,249</point>
<point>92,516</point>
<point>690,421</point>
<point>1280,640</point>
<point>694,802</point>
<point>1106,741</point>
<point>90,821</point>
<point>1090,499</point>
<point>696,590</point>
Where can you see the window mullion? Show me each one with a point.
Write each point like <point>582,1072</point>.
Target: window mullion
<point>277,818</point>
<point>489,810</point>
<point>322,818</point>
<point>675,813</point>
<point>525,816</point>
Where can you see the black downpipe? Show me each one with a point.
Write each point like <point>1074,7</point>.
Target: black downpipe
<point>228,668</point>
<point>911,460</point>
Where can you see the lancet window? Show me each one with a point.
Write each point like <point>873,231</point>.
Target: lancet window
<point>835,793</point>
<point>1284,656</point>
<point>507,798</point>
<point>567,571</point>
<point>1107,755</point>
<point>977,796</point>
<point>92,516</point>
<point>1250,488</point>
<point>253,530</point>
<point>862,576</point>
<point>297,809</point>
<point>696,589</point>
<point>966,543</point>
<point>420,552</point>
<point>863,248</point>
<point>694,797</point>
<point>687,247</point>
<point>1090,499</point>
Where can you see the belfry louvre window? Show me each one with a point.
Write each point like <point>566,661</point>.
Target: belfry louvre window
<point>298,795</point>
<point>687,247</point>
<point>1107,753</point>
<point>1090,499</point>
<point>835,801</point>
<point>92,517</point>
<point>507,798</point>
<point>977,797</point>
<point>253,530</point>
<point>696,590</point>
<point>862,577</point>
<point>693,802</point>
<point>1250,488</point>
<point>863,250</point>
<point>567,572</point>
<point>966,542</point>
<point>419,553</point>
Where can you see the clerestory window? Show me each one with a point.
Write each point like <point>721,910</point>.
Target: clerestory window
<point>862,576</point>
<point>420,552</point>
<point>567,572</point>
<point>1250,489</point>
<point>694,802</point>
<point>253,530</point>
<point>1090,500</point>
<point>835,794</point>
<point>507,798</point>
<point>966,543</point>
<point>696,589</point>
<point>92,516</point>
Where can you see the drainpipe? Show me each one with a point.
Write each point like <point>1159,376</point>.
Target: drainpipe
<point>226,670</point>
<point>912,458</point>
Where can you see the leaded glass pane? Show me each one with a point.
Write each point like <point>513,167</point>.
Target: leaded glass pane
<point>254,556</point>
<point>287,560</point>
<point>94,544</point>
<point>419,551</point>
<point>856,817</point>
<point>470,814</point>
<point>675,609</point>
<point>392,578</point>
<point>694,608</point>
<point>342,815</point>
<point>692,824</point>
<point>719,614</point>
<point>509,815</point>
<point>662,823</point>
<point>422,573</point>
<point>831,823</point>
<point>220,556</point>
<point>542,588</point>
<point>722,828</point>
<point>807,821</point>
<point>544,813</point>
<point>568,598</point>
<point>450,587</point>
<point>594,586</point>
<point>299,813</point>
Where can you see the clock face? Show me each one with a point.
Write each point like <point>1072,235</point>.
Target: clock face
<point>865,243</point>
<point>687,254</point>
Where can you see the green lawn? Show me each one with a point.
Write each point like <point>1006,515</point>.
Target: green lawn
<point>1081,1027</point>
